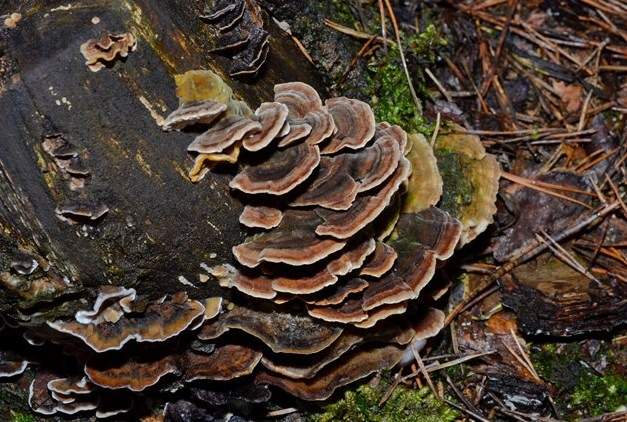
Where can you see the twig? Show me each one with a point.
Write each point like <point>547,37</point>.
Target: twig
<point>460,396</point>
<point>436,130</point>
<point>539,187</point>
<point>438,366</point>
<point>585,167</point>
<point>499,49</point>
<point>475,415</point>
<point>584,110</point>
<point>281,412</point>
<point>383,26</point>
<point>599,245</point>
<point>421,365</point>
<point>438,85</point>
<point>617,193</point>
<point>360,53</point>
<point>564,255</point>
<point>600,6</point>
<point>525,357</point>
<point>615,169</point>
<point>621,415</point>
<point>388,393</point>
<point>353,33</point>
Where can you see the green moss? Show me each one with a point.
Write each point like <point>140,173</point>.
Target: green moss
<point>560,367</point>
<point>427,43</point>
<point>392,100</point>
<point>582,392</point>
<point>21,417</point>
<point>341,12</point>
<point>596,395</point>
<point>403,405</point>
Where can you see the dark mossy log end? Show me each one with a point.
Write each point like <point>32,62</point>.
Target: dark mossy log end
<point>552,299</point>
<point>113,204</point>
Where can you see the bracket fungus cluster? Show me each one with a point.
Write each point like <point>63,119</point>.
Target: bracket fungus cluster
<point>334,282</point>
<point>113,366</point>
<point>67,161</point>
<point>242,34</point>
<point>343,241</point>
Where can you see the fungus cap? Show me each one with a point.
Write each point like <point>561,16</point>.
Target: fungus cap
<point>260,217</point>
<point>272,117</point>
<point>128,374</point>
<point>193,112</point>
<point>225,363</point>
<point>280,174</point>
<point>292,242</point>
<point>106,48</point>
<point>159,321</point>
<point>11,364</point>
<point>281,331</point>
<point>224,134</point>
<point>354,121</point>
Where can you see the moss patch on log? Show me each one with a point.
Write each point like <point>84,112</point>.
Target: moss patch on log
<point>404,405</point>
<point>584,391</point>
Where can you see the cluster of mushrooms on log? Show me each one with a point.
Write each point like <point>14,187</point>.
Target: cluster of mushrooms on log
<point>334,282</point>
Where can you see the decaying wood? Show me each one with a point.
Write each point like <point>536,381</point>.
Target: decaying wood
<point>549,298</point>
<point>159,226</point>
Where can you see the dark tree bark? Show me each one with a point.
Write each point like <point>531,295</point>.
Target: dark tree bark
<point>159,226</point>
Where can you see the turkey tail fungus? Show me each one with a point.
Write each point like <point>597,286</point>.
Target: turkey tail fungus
<point>326,277</point>
<point>329,286</point>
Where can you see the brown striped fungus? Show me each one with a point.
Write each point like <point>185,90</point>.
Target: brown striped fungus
<point>335,281</point>
<point>104,49</point>
<point>339,261</point>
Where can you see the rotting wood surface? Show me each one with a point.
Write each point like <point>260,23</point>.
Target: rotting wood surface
<point>159,226</point>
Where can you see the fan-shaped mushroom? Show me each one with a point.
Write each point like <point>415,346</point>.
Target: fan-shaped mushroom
<point>281,331</point>
<point>354,121</point>
<point>125,373</point>
<point>193,112</point>
<point>305,109</point>
<point>159,321</point>
<point>285,170</point>
<point>260,217</point>
<point>11,364</point>
<point>106,48</point>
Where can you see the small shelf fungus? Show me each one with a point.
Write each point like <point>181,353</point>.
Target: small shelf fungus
<point>67,162</point>
<point>241,34</point>
<point>335,281</point>
<point>99,51</point>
